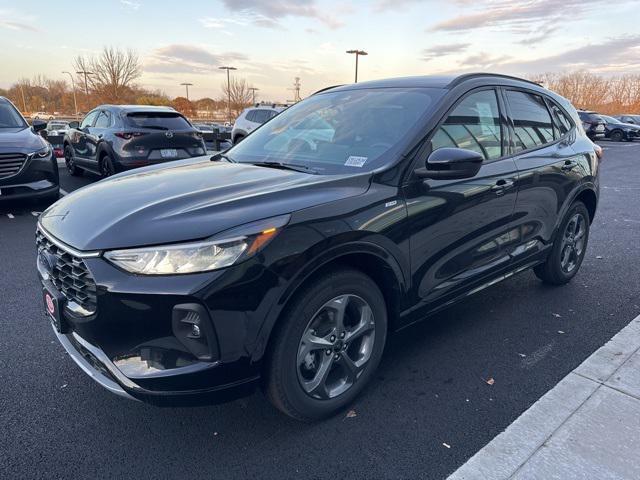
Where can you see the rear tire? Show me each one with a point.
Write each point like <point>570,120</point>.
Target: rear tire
<point>107,168</point>
<point>321,359</point>
<point>568,249</point>
<point>70,162</point>
<point>238,139</point>
<point>617,136</point>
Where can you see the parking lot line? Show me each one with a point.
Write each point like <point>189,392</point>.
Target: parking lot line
<point>63,192</point>
<point>10,215</point>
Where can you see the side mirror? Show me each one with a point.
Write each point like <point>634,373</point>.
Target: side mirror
<point>39,125</point>
<point>451,164</point>
<point>74,124</point>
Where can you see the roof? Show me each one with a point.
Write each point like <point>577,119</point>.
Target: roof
<point>432,81</point>
<point>139,108</point>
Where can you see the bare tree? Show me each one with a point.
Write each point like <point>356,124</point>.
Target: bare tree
<point>113,72</point>
<point>240,94</point>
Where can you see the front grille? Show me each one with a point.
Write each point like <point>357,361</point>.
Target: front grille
<point>69,274</point>
<point>11,163</point>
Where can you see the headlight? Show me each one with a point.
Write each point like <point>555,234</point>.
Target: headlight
<point>42,153</point>
<point>203,256</point>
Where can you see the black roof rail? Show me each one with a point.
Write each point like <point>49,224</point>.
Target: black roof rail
<point>469,76</point>
<point>326,88</point>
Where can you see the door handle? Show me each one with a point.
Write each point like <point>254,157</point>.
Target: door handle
<point>100,135</point>
<point>502,186</point>
<point>569,165</point>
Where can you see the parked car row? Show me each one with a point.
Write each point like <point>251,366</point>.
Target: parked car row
<point>617,128</point>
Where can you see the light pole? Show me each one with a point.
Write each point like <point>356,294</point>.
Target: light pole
<point>228,90</point>
<point>357,53</point>
<point>186,86</point>
<point>73,86</point>
<point>253,91</point>
<point>85,73</point>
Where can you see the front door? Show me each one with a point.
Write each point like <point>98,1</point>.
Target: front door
<point>459,227</point>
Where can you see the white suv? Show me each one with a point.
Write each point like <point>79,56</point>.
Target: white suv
<point>251,118</point>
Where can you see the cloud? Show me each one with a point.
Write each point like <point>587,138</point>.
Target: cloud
<point>130,4</point>
<point>615,55</point>
<point>268,14</point>
<point>12,20</point>
<point>525,17</point>
<point>385,5</point>
<point>436,51</point>
<point>179,58</point>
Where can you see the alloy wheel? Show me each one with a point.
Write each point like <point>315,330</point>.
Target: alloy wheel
<point>335,347</point>
<point>573,243</point>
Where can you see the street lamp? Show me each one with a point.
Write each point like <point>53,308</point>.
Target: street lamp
<point>73,86</point>
<point>24,103</point>
<point>186,86</point>
<point>85,73</point>
<point>357,54</point>
<point>253,91</point>
<point>228,90</point>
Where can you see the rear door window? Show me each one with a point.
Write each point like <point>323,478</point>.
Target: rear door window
<point>474,124</point>
<point>158,120</point>
<point>531,120</point>
<point>561,122</point>
<point>261,116</point>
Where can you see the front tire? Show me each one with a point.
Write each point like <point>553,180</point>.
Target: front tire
<point>327,346</point>
<point>568,249</point>
<point>70,162</point>
<point>617,136</point>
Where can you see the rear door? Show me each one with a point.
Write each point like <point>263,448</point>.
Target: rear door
<point>458,227</point>
<point>542,134</point>
<point>162,136</point>
<point>94,136</point>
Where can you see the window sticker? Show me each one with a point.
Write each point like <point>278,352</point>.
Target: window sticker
<point>354,161</point>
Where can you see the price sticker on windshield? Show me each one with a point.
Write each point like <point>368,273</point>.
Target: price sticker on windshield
<point>354,161</point>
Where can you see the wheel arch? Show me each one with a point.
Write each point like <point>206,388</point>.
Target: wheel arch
<point>370,259</point>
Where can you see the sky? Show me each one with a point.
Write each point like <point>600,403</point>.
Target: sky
<point>270,42</point>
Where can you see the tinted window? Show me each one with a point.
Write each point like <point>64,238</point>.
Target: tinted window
<point>103,120</point>
<point>261,116</point>
<point>342,131</point>
<point>88,120</point>
<point>251,115</point>
<point>9,117</point>
<point>561,122</point>
<point>474,125</point>
<point>532,121</point>
<point>158,120</point>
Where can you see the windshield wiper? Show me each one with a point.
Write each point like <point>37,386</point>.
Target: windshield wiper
<point>222,156</point>
<point>286,166</point>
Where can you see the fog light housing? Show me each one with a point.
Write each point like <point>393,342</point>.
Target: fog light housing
<point>192,327</point>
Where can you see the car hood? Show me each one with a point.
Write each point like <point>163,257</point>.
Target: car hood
<point>189,201</point>
<point>20,140</point>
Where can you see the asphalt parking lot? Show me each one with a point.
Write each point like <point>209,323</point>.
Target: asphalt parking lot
<point>445,388</point>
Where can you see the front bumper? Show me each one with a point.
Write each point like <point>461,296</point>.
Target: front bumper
<point>95,363</point>
<point>37,178</point>
<point>127,340</point>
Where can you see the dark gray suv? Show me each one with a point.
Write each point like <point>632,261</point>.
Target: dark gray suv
<point>28,168</point>
<point>113,138</point>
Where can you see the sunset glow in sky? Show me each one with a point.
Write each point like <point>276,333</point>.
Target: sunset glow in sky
<point>271,42</point>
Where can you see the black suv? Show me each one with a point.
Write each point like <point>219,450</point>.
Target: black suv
<point>113,138</point>
<point>285,261</point>
<point>28,168</point>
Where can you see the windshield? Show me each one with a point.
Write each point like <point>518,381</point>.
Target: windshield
<point>9,117</point>
<point>339,132</point>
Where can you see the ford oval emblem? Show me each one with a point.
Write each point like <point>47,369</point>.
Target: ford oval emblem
<point>168,134</point>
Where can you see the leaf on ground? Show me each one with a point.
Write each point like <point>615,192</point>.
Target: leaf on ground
<point>351,414</point>
<point>490,381</point>
<point>557,315</point>
<point>560,332</point>
<point>599,257</point>
<point>522,355</point>
<point>446,445</point>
